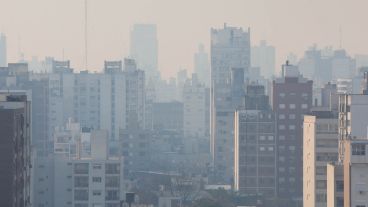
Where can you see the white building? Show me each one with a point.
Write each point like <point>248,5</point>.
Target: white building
<point>89,181</point>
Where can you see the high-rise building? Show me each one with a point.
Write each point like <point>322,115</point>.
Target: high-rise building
<point>144,49</point>
<point>3,51</point>
<point>15,150</point>
<point>263,56</point>
<point>320,146</point>
<point>135,95</point>
<point>255,145</point>
<point>194,101</point>
<point>202,66</point>
<point>230,64</point>
<point>291,99</point>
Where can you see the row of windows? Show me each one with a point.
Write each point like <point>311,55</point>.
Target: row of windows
<point>83,168</point>
<point>293,106</point>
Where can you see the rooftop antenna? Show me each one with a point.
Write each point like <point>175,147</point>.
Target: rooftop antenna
<point>85,34</point>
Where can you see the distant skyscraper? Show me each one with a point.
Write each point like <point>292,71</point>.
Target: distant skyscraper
<point>15,150</point>
<point>144,49</point>
<point>263,56</point>
<point>3,52</point>
<point>230,64</point>
<point>342,65</point>
<point>292,98</point>
<point>202,66</point>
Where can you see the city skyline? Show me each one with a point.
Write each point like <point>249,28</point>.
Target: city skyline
<point>282,24</point>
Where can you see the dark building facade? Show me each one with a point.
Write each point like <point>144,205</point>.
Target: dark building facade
<point>15,151</point>
<point>255,145</point>
<point>291,99</point>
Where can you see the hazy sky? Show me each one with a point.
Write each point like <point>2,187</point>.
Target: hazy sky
<point>47,27</point>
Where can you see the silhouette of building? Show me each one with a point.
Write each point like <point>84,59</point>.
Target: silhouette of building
<point>202,66</point>
<point>144,49</point>
<point>15,150</point>
<point>263,56</point>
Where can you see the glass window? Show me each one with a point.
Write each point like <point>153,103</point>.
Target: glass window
<point>112,195</point>
<point>358,149</point>
<point>96,179</point>
<point>292,106</point>
<point>81,168</point>
<point>112,181</point>
<point>81,181</point>
<point>112,168</point>
<point>81,195</point>
<point>281,106</point>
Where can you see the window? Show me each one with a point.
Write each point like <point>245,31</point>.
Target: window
<point>292,106</point>
<point>112,181</point>
<point>291,127</point>
<point>81,195</point>
<point>97,166</point>
<point>112,168</point>
<point>96,179</point>
<point>304,106</point>
<point>81,168</point>
<point>112,195</point>
<point>282,95</point>
<point>281,127</point>
<point>96,193</point>
<point>281,106</point>
<point>292,116</point>
<point>81,181</point>
<point>358,149</point>
<point>281,116</point>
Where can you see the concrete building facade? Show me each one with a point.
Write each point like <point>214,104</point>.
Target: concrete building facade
<point>320,147</point>
<point>291,99</point>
